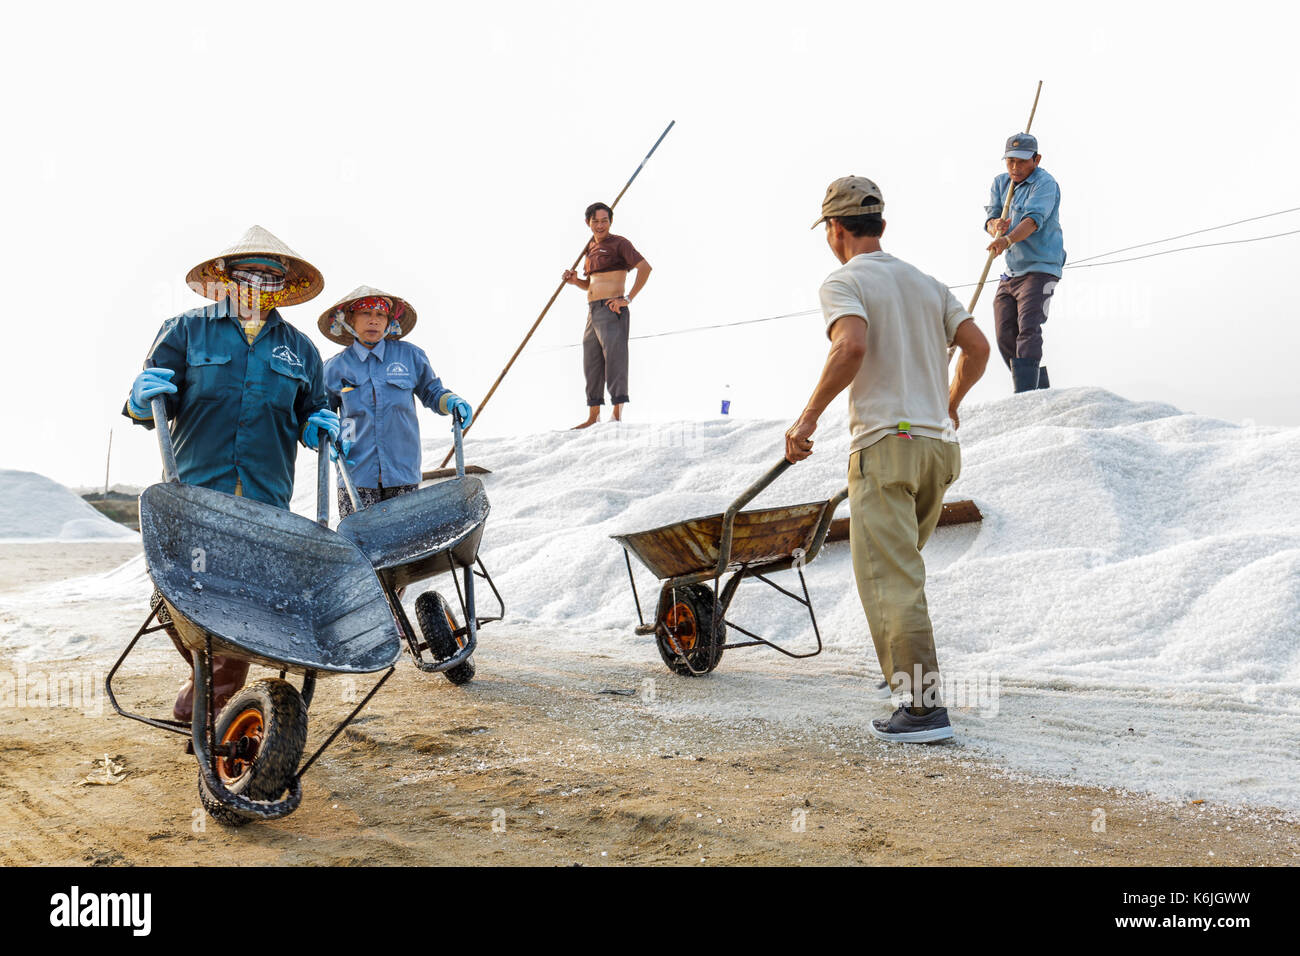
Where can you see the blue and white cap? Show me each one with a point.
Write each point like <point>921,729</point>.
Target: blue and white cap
<point>1021,146</point>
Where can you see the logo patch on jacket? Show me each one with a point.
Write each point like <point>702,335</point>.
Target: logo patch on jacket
<point>397,368</point>
<point>285,354</point>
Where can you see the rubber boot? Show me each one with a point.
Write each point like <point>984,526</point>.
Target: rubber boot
<point>228,676</point>
<point>1042,377</point>
<point>1024,374</point>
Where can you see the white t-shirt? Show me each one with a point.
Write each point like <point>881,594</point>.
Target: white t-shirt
<point>911,320</point>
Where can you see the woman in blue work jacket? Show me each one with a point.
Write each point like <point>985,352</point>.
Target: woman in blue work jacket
<point>373,384</point>
<point>241,388</point>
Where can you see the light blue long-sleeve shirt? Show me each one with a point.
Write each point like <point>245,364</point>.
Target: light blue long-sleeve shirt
<point>374,392</point>
<point>1037,198</point>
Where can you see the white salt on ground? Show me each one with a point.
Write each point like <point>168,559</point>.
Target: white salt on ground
<point>36,508</point>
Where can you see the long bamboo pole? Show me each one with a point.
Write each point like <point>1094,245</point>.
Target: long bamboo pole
<point>478,409</point>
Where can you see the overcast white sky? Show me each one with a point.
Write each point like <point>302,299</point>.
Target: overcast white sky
<point>446,152</point>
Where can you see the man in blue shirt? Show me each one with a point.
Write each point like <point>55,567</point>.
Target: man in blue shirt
<point>373,384</point>
<point>1035,254</point>
<point>241,387</point>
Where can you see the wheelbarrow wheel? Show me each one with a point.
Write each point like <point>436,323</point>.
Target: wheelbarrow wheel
<point>438,625</point>
<point>687,616</point>
<point>267,721</point>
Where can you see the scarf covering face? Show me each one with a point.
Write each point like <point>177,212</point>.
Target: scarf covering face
<point>257,282</point>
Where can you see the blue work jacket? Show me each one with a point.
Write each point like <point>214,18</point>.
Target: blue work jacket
<point>1037,198</point>
<point>374,392</point>
<point>239,409</point>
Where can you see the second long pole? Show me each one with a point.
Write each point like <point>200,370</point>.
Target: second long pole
<point>478,410</point>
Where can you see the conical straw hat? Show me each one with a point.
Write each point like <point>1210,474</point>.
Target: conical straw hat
<point>332,319</point>
<point>302,282</point>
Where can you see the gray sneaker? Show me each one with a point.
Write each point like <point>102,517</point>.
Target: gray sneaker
<point>902,726</point>
<point>880,690</point>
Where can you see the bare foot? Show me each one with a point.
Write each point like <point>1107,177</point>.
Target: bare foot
<point>618,413</point>
<point>592,419</point>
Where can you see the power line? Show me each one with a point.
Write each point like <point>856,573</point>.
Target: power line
<point>1086,263</point>
<point>1195,232</point>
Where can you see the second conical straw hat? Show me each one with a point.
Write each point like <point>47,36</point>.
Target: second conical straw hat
<point>332,319</point>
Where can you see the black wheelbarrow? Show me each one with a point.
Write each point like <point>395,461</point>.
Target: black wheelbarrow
<point>690,624</point>
<point>433,530</point>
<point>246,580</point>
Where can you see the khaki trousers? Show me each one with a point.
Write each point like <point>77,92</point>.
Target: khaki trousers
<point>896,489</point>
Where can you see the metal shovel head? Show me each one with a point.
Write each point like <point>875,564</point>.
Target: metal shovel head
<point>265,584</point>
<point>417,535</point>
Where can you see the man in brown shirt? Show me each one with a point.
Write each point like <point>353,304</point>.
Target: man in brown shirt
<point>604,341</point>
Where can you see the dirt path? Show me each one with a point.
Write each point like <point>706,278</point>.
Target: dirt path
<point>533,764</point>
<point>571,775</point>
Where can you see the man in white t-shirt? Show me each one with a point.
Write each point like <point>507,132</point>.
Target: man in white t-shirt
<point>890,327</point>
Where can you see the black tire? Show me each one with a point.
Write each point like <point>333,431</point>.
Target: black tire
<point>438,625</point>
<point>687,612</point>
<point>274,709</point>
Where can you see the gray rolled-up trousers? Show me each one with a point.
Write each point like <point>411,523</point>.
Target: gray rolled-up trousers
<point>1019,311</point>
<point>604,352</point>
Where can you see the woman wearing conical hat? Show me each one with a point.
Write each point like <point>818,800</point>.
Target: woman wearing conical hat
<point>242,387</point>
<point>374,384</point>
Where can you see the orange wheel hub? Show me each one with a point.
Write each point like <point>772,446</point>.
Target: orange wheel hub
<point>249,725</point>
<point>681,625</point>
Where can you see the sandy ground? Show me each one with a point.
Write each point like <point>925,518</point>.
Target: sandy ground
<point>22,565</point>
<point>533,764</point>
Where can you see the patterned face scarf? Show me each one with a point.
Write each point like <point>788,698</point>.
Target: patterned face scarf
<point>260,283</point>
<point>259,273</point>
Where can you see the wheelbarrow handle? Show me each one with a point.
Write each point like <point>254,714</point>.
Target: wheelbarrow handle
<point>748,495</point>
<point>323,480</point>
<point>457,438</point>
<point>159,408</point>
<point>344,472</point>
<point>824,526</point>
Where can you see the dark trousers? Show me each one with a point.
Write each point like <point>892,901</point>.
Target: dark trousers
<point>370,496</point>
<point>604,352</point>
<point>1019,311</point>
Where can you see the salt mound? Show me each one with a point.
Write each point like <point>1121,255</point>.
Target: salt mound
<point>36,508</point>
<point>1122,542</point>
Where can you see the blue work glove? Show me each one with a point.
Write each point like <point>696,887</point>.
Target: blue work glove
<point>150,382</point>
<point>322,420</point>
<point>461,409</point>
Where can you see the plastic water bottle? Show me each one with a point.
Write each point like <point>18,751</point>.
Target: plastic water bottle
<point>726,399</point>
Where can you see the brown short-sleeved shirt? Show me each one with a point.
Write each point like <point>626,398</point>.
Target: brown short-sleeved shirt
<point>611,254</point>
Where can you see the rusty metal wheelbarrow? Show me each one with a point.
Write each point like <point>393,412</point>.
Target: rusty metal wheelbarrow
<point>690,622</point>
<point>431,531</point>
<point>242,579</point>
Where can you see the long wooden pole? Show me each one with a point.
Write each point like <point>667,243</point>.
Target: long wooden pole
<point>1006,210</point>
<point>478,409</point>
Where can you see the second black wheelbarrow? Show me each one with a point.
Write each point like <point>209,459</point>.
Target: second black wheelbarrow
<point>245,580</point>
<point>430,531</point>
<point>692,557</point>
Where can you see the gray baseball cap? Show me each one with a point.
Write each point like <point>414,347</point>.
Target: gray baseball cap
<point>1021,146</point>
<point>851,196</point>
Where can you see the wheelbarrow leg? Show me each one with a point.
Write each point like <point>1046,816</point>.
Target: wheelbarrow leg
<point>471,616</point>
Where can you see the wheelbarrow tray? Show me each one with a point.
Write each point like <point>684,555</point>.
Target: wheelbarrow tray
<point>760,537</point>
<point>421,534</point>
<point>264,584</point>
